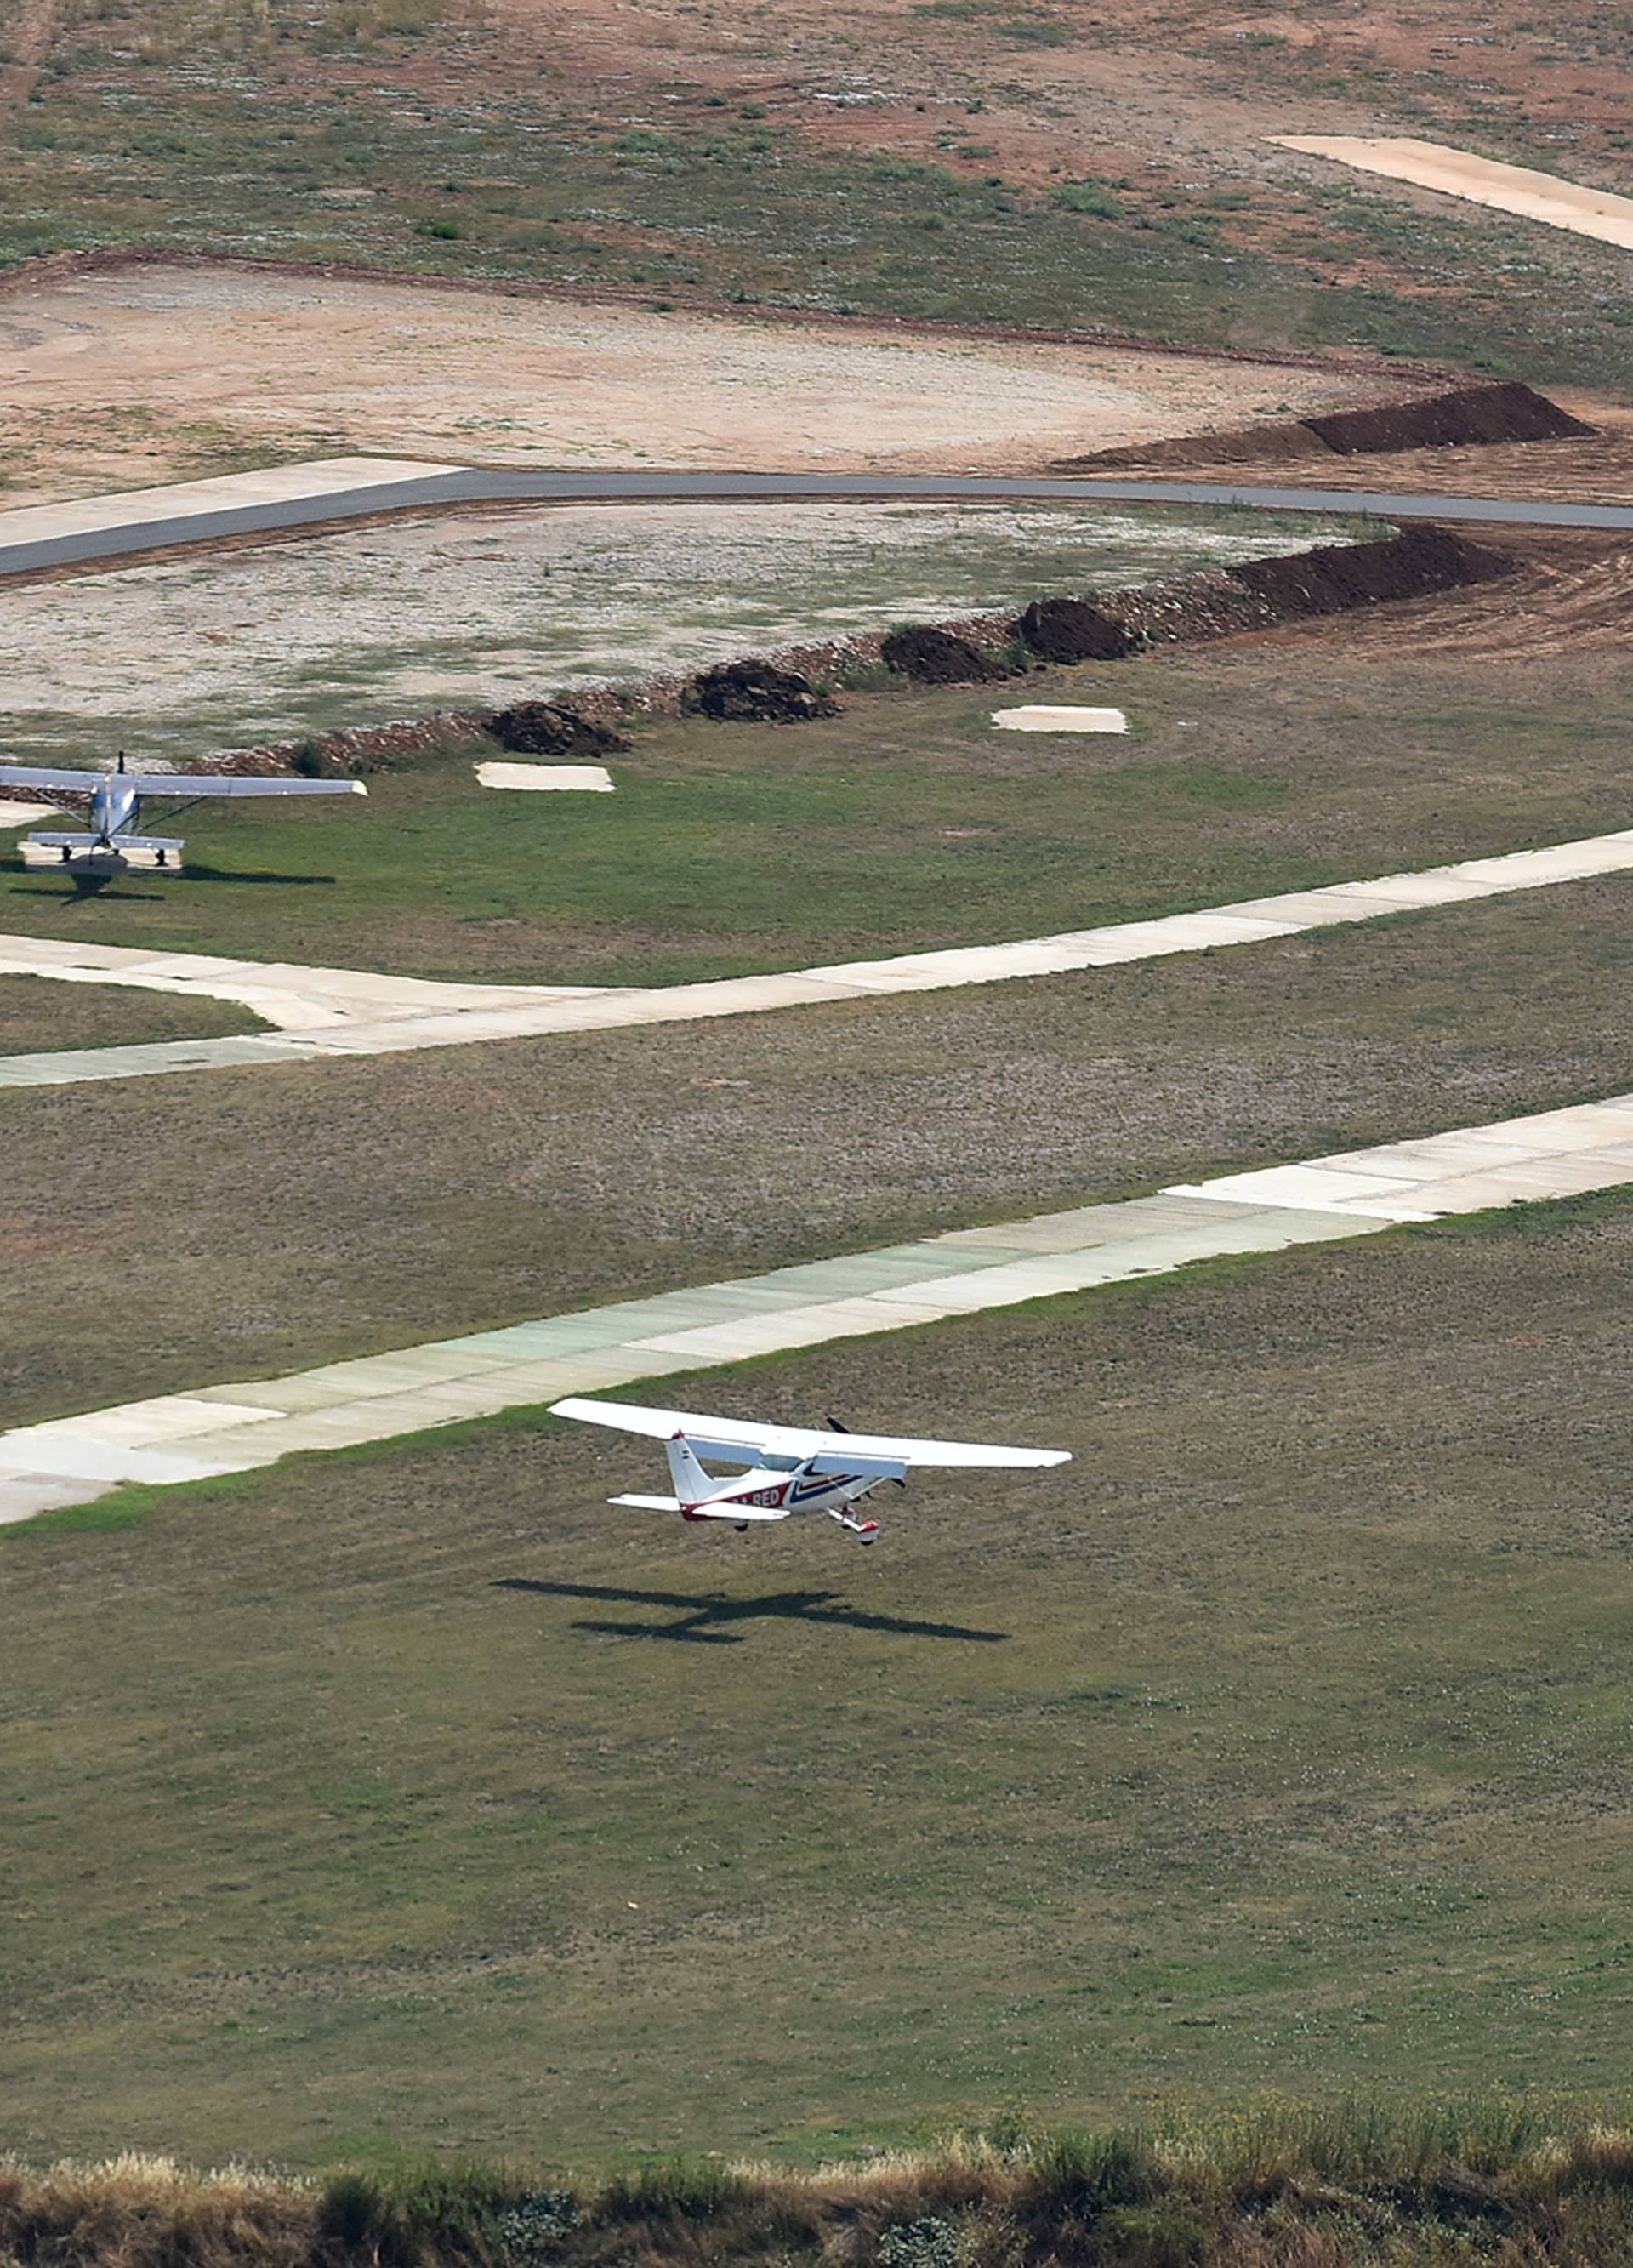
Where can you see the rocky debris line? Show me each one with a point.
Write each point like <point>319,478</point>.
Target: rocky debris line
<point>1064,630</point>
<point>976,649</point>
<point>1190,611</point>
<point>550,728</point>
<point>1465,416</point>
<point>1336,577</point>
<point>937,657</point>
<point>755,693</point>
<point>361,749</point>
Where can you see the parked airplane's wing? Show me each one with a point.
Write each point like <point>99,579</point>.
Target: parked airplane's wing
<point>45,776</point>
<point>190,784</point>
<point>725,1436</point>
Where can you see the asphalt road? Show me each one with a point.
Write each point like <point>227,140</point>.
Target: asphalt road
<point>486,487</point>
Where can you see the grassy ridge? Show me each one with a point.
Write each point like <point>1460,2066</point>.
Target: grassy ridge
<point>139,135</point>
<point>1276,2183</point>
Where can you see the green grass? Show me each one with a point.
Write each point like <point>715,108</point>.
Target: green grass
<point>904,824</point>
<point>414,1798</point>
<point>478,1186</point>
<point>40,1013</point>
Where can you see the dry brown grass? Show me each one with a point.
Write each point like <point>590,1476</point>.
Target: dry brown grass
<point>1271,2185</point>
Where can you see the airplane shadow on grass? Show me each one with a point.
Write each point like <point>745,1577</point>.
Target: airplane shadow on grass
<point>105,886</point>
<point>705,1621</point>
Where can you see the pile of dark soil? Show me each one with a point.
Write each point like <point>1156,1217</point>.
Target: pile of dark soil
<point>1336,577</point>
<point>755,693</point>
<point>1071,629</point>
<point>1468,416</point>
<point>1247,445</point>
<point>547,728</point>
<point>1465,418</point>
<point>933,656</point>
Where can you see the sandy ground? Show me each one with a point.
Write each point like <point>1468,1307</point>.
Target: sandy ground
<point>216,367</point>
<point>366,626</point>
<point>1507,188</point>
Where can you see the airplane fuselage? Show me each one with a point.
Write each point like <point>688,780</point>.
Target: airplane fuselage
<point>768,1489</point>
<point>115,807</point>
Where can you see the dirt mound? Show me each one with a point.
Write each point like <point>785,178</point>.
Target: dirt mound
<point>933,656</point>
<point>1246,445</point>
<point>1465,418</point>
<point>1471,415</point>
<point>1071,630</point>
<point>546,728</point>
<point>755,693</point>
<point>1336,577</point>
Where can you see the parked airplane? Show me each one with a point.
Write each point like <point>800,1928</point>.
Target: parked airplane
<point>790,1468</point>
<point>116,799</point>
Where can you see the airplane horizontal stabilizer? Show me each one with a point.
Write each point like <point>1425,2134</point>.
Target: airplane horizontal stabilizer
<point>649,1503</point>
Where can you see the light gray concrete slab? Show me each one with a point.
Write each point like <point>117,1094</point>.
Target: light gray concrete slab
<point>84,1457</point>
<point>325,1012</point>
<point>1587,1146</point>
<point>315,482</point>
<point>168,1418</point>
<point>23,1496</point>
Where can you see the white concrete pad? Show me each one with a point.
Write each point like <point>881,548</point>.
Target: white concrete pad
<point>1040,716</point>
<point>354,1011</point>
<point>1521,189</point>
<point>1318,1185</point>
<point>547,779</point>
<point>140,1425</point>
<point>86,1458</point>
<point>380,1397</point>
<point>24,815</point>
<point>192,499</point>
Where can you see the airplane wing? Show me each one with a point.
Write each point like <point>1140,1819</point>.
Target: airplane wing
<point>67,783</point>
<point>48,776</point>
<point>198,784</point>
<point>735,1437</point>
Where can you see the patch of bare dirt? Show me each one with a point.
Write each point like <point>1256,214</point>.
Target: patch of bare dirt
<point>223,364</point>
<point>27,32</point>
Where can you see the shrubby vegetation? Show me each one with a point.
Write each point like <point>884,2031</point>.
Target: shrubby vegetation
<point>1507,2182</point>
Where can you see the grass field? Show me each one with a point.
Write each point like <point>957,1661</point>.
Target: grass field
<point>475,1186</point>
<point>39,1012</point>
<point>423,148</point>
<point>411,1797</point>
<point>907,822</point>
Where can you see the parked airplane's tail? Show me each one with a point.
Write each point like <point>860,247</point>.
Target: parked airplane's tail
<point>692,1483</point>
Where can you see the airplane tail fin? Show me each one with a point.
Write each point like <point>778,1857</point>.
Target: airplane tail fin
<point>692,1483</point>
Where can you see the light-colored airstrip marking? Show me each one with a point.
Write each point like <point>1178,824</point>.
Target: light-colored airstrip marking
<point>1040,716</point>
<point>330,1012</point>
<point>546,779</point>
<point>1517,189</point>
<point>224,1429</point>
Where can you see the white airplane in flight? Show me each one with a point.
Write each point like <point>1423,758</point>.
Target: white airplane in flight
<point>790,1468</point>
<point>116,799</point>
